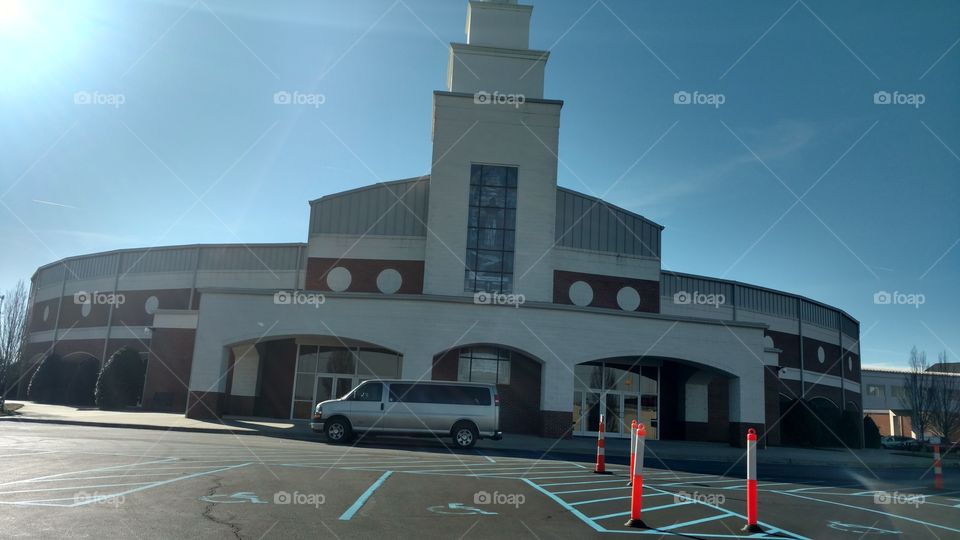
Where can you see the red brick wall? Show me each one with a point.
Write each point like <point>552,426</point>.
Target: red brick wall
<point>605,289</point>
<point>168,369</point>
<point>364,274</point>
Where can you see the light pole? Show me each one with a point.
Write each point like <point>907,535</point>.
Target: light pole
<point>3,362</point>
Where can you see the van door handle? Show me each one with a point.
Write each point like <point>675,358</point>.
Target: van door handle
<point>381,405</point>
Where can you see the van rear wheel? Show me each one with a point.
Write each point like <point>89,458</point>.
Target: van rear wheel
<point>338,430</point>
<point>465,435</point>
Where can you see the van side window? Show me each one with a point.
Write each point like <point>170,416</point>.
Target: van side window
<point>369,392</point>
<point>399,393</point>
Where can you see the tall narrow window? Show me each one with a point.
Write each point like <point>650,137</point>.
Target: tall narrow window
<point>491,229</point>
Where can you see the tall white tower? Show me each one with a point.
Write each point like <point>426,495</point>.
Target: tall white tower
<point>493,118</point>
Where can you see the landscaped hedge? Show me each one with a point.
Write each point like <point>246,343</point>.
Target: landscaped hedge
<point>871,433</point>
<point>121,380</point>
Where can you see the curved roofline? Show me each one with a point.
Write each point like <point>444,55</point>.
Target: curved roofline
<point>158,248</point>
<point>762,288</point>
<point>371,186</point>
<point>615,207</point>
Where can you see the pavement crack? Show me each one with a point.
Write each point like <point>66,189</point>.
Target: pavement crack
<point>207,512</point>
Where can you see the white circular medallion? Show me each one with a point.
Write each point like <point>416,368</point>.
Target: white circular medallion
<point>86,308</point>
<point>581,293</point>
<point>339,279</point>
<point>628,299</point>
<point>46,313</point>
<point>389,281</point>
<point>151,305</point>
<point>850,363</point>
<point>821,356</point>
<point>768,342</point>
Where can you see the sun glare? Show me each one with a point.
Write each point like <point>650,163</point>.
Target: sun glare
<point>14,17</point>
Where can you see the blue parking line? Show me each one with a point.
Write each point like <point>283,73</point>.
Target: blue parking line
<point>566,505</point>
<point>363,498</point>
<point>592,501</point>
<point>651,509</point>
<point>920,521</point>
<point>591,489</point>
<point>694,522</point>
<point>578,483</point>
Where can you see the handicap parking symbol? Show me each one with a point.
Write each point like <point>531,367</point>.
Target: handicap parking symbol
<point>459,509</point>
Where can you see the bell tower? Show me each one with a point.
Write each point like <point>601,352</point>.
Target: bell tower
<point>492,127</point>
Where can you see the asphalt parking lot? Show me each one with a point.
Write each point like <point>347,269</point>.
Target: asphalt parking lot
<point>84,482</point>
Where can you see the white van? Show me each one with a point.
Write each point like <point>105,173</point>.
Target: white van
<point>464,411</point>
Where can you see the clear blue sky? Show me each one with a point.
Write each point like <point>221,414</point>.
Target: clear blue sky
<point>197,81</point>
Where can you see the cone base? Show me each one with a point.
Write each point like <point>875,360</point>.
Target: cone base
<point>752,529</point>
<point>601,472</point>
<point>636,524</point>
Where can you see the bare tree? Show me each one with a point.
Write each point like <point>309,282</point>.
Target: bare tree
<point>945,402</point>
<point>917,394</point>
<point>13,330</point>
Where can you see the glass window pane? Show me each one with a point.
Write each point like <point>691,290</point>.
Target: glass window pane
<point>512,176</point>
<point>492,196</point>
<point>488,281</point>
<point>304,387</point>
<point>308,359</point>
<point>471,237</point>
<point>484,371</point>
<point>588,376</point>
<point>489,261</point>
<point>509,237</point>
<point>507,264</point>
<point>473,219</point>
<point>382,364</point>
<point>510,219</point>
<point>649,379</point>
<point>511,198</point>
<point>471,259</point>
<point>463,369</point>
<point>491,218</point>
<point>494,176</point>
<point>506,284</point>
<point>503,372</point>
<point>336,361</point>
<point>475,172</point>
<point>474,195</point>
<point>490,239</point>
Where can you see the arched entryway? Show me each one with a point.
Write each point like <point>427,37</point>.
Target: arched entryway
<point>622,389</point>
<point>287,377</point>
<point>516,374</point>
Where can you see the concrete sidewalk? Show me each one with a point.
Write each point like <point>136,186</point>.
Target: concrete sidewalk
<point>579,447</point>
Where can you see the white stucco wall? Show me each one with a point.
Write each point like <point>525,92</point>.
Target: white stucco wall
<point>420,328</point>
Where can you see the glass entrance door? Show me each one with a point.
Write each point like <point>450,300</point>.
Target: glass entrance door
<point>332,387</point>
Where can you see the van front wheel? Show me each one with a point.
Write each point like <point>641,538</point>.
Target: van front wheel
<point>465,435</point>
<point>337,430</point>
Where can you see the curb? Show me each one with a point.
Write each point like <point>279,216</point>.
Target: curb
<point>180,429</point>
<point>562,455</point>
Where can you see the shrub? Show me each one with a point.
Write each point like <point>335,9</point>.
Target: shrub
<point>871,433</point>
<point>82,383</point>
<point>121,380</point>
<point>800,426</point>
<point>45,382</point>
<point>849,428</point>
